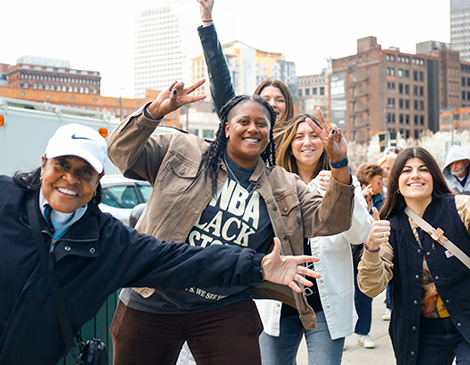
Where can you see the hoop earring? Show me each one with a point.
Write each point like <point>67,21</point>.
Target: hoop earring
<point>94,193</point>
<point>398,191</point>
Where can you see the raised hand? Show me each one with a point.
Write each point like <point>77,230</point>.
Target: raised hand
<point>206,9</point>
<point>173,98</point>
<point>379,232</point>
<point>287,270</point>
<point>331,137</point>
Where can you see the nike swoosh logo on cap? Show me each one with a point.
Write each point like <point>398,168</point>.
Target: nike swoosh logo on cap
<point>75,137</point>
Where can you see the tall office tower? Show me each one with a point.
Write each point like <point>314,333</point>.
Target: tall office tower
<point>460,27</point>
<point>167,40</point>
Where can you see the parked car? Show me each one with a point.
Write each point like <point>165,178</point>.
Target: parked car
<point>121,195</point>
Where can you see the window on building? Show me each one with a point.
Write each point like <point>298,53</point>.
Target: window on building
<point>194,131</point>
<point>25,85</point>
<point>407,134</point>
<point>415,104</point>
<point>415,75</point>
<point>401,118</point>
<point>52,88</point>
<point>314,91</point>
<point>299,93</point>
<point>400,103</point>
<point>59,88</point>
<point>416,119</point>
<point>463,81</point>
<point>400,88</point>
<point>468,95</point>
<point>70,89</point>
<point>415,90</point>
<point>400,72</point>
<point>208,133</point>
<point>407,89</point>
<point>391,103</point>
<point>421,91</point>
<point>421,119</point>
<point>407,72</point>
<point>464,94</point>
<point>307,91</point>
<point>416,134</point>
<point>391,85</point>
<point>407,104</point>
<point>421,76</point>
<point>468,81</point>
<point>322,90</point>
<point>421,105</point>
<point>391,118</point>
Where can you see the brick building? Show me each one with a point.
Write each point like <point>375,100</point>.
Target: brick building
<point>385,90</point>
<point>39,73</point>
<point>105,104</point>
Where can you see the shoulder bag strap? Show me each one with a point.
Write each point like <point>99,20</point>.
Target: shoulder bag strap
<point>437,236</point>
<point>51,278</point>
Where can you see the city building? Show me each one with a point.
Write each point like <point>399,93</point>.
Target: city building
<point>248,67</point>
<point>460,27</point>
<point>39,73</point>
<point>97,103</point>
<point>312,92</point>
<point>166,41</point>
<point>4,74</point>
<point>388,91</point>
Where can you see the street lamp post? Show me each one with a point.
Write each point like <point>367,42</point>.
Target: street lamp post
<point>120,103</point>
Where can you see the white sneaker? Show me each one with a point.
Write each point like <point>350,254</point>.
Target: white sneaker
<point>365,341</point>
<point>386,316</point>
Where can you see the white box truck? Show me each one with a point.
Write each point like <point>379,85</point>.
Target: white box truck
<point>26,126</point>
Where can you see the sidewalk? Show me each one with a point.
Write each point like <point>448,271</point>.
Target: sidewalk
<point>357,355</point>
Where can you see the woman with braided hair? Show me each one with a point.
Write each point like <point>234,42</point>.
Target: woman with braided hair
<point>225,192</point>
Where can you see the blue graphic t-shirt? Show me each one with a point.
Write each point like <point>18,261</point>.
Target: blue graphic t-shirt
<point>236,215</point>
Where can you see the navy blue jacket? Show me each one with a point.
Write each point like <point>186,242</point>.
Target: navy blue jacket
<point>96,257</point>
<point>452,278</point>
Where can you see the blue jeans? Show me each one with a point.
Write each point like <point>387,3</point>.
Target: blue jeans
<point>364,310</point>
<point>440,342</point>
<point>282,350</point>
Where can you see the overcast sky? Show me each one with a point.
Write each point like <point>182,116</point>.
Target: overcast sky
<point>98,35</point>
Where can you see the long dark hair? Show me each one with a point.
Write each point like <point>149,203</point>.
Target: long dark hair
<point>394,203</point>
<point>283,139</point>
<point>213,156</point>
<point>31,181</point>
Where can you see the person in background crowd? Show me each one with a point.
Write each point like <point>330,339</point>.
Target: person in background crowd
<point>91,253</point>
<point>386,163</point>
<point>332,298</point>
<point>370,177</point>
<point>429,285</point>
<point>456,170</point>
<point>225,192</point>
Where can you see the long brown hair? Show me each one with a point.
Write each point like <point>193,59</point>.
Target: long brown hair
<point>283,139</point>
<point>394,203</point>
<point>289,113</point>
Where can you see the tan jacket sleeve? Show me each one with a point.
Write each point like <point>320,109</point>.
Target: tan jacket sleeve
<point>462,203</point>
<point>375,270</point>
<point>329,215</point>
<point>133,149</point>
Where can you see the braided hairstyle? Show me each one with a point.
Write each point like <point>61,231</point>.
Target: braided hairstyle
<point>211,159</point>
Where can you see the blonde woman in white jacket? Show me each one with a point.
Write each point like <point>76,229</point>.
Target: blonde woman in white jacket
<point>332,298</point>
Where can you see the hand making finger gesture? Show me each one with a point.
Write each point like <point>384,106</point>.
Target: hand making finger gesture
<point>206,10</point>
<point>287,270</point>
<point>173,98</point>
<point>331,137</point>
<point>379,232</point>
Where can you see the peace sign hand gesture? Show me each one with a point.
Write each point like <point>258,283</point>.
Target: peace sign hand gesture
<point>174,98</point>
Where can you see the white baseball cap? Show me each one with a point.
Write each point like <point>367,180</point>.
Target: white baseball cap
<point>81,141</point>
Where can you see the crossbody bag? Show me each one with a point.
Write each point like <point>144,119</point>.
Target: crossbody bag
<point>438,235</point>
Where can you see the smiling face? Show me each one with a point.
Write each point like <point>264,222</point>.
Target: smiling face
<point>68,182</point>
<point>276,99</point>
<point>306,147</point>
<point>248,130</point>
<point>416,182</point>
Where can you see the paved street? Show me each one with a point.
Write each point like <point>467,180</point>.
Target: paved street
<point>357,355</point>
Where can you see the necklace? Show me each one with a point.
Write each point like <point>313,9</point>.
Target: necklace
<point>250,187</point>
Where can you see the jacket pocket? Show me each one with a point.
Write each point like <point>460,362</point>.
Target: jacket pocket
<point>179,175</point>
<point>289,207</point>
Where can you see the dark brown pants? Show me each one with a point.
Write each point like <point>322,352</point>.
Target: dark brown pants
<point>226,335</point>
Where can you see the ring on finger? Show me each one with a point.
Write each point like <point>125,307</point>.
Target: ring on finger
<point>385,235</point>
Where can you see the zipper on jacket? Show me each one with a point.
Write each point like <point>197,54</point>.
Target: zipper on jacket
<point>51,254</point>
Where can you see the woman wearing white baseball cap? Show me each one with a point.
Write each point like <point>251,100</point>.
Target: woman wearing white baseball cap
<point>91,253</point>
